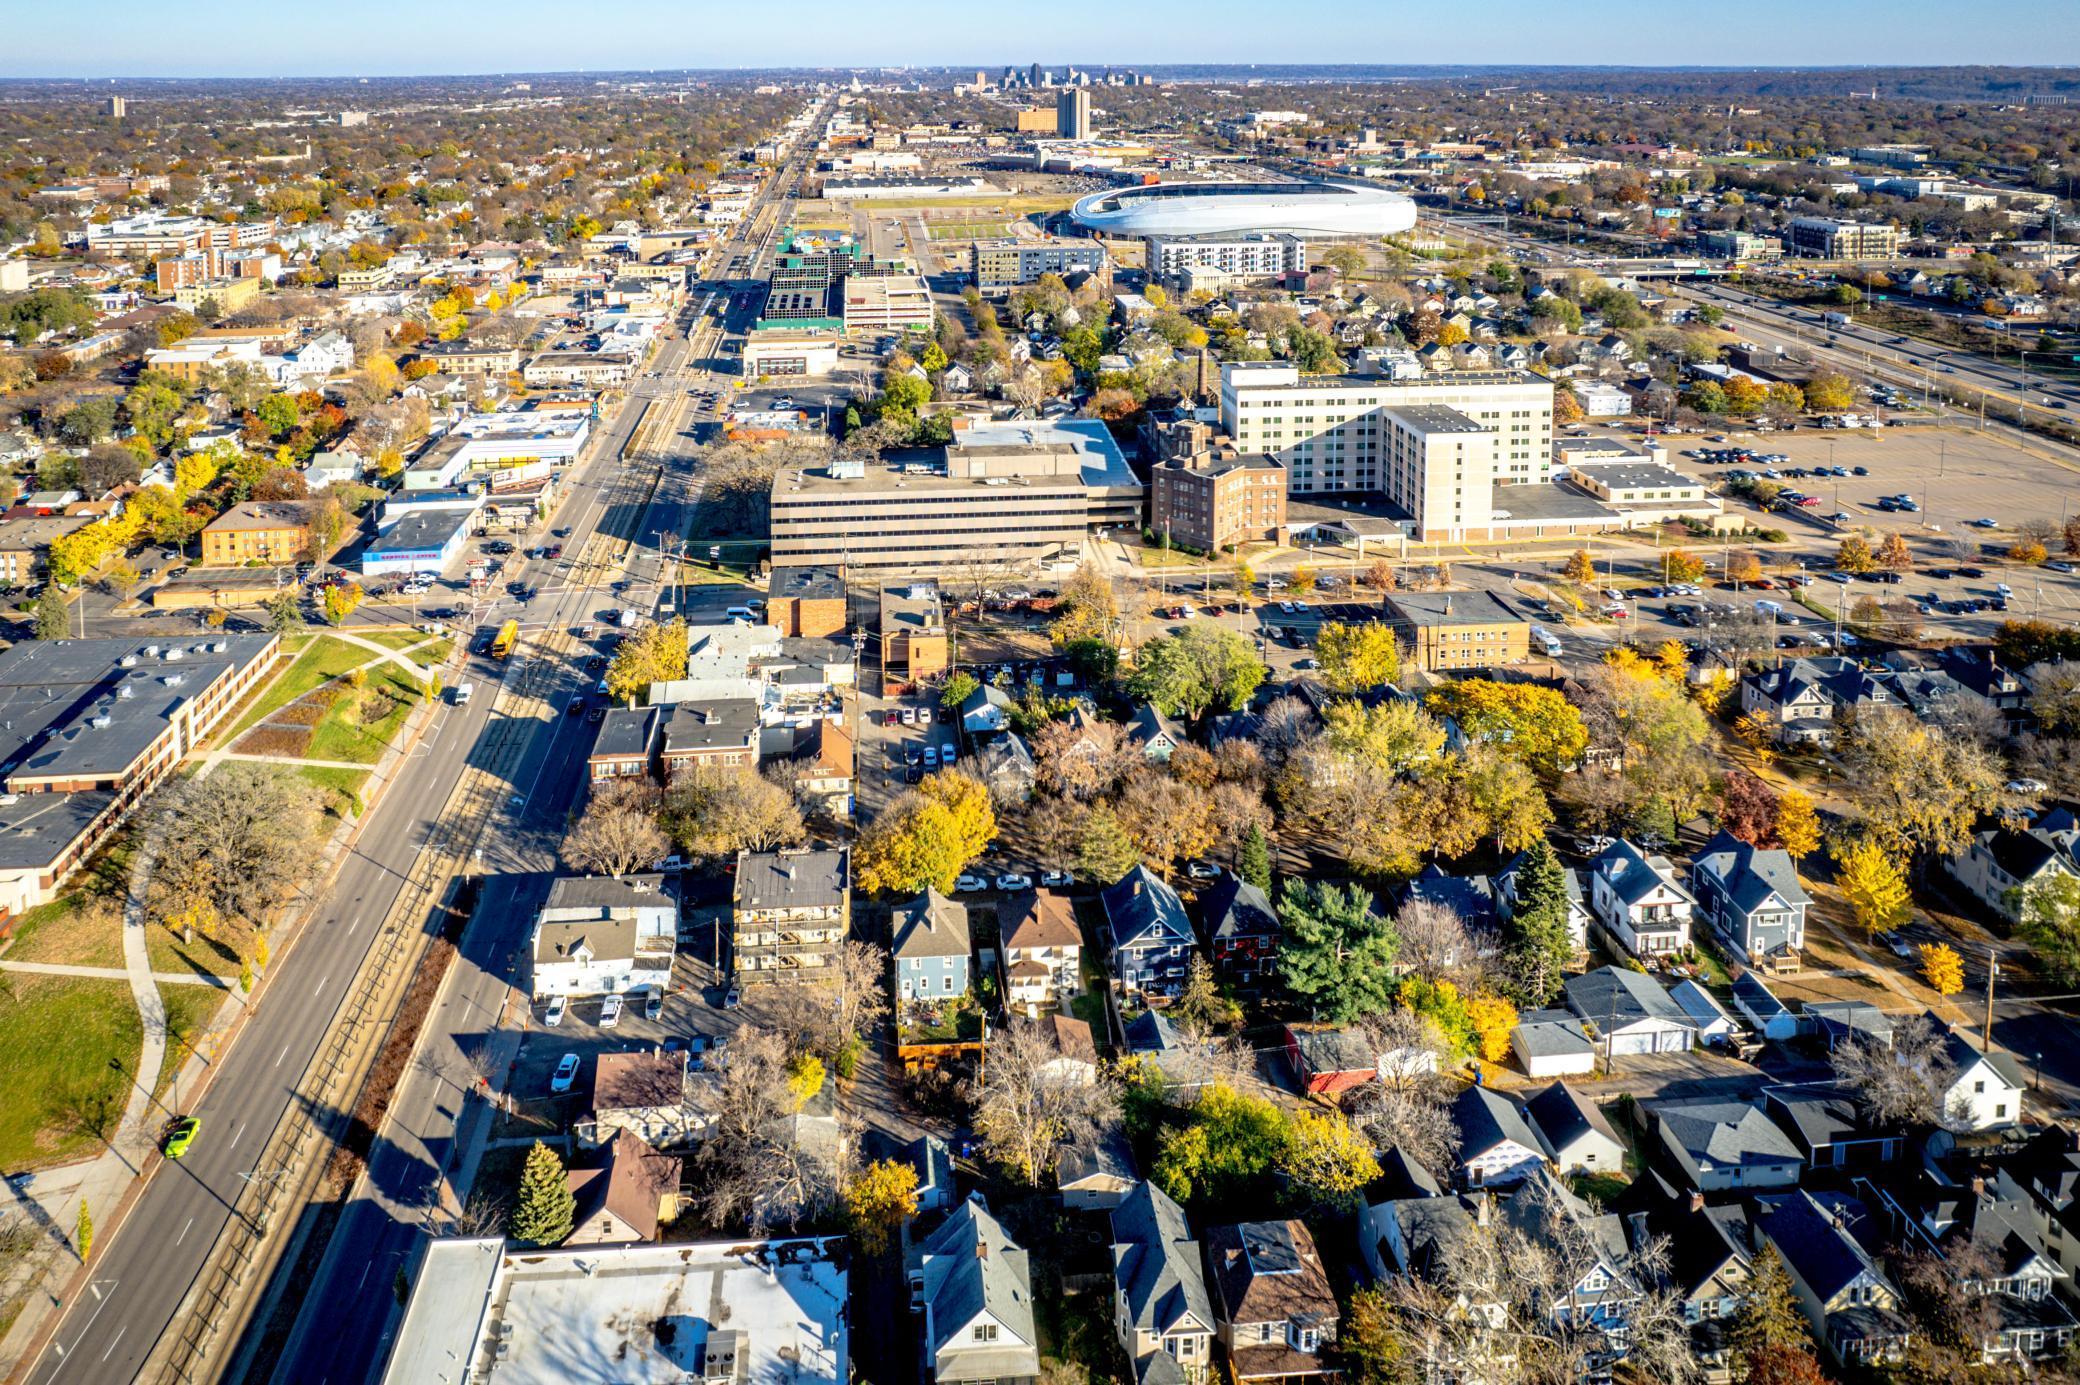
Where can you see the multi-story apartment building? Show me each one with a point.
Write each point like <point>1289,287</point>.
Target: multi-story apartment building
<point>792,909</point>
<point>1459,630</point>
<point>1245,255</point>
<point>1072,114</point>
<point>1214,499</point>
<point>1013,496</point>
<point>1437,447</point>
<point>1824,238</point>
<point>267,530</point>
<point>1000,266</point>
<point>887,303</point>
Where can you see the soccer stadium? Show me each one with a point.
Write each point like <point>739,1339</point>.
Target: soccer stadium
<point>1193,209</point>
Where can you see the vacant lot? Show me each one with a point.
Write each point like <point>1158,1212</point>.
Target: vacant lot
<point>60,1098</point>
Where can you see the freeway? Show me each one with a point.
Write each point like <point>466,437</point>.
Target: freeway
<point>349,1308</point>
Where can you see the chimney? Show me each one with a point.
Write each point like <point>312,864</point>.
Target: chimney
<point>1697,1202</point>
<point>1480,1211</point>
<point>981,1249</point>
<point>1978,1185</point>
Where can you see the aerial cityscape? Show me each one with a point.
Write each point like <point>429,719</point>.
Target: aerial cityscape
<point>1240,716</point>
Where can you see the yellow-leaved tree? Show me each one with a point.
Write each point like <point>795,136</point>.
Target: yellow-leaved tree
<point>1942,968</point>
<point>1876,891</point>
<point>1798,823</point>
<point>926,837</point>
<point>1358,658</point>
<point>1492,1018</point>
<point>879,1201</point>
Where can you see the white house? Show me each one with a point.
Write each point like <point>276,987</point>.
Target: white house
<point>974,1285</point>
<point>605,935</point>
<point>1639,901</point>
<point>1498,1144</point>
<point>1987,1090</point>
<point>985,710</point>
<point>1575,1129</point>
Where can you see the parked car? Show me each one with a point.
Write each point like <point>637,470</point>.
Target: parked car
<point>969,884</point>
<point>1057,879</point>
<point>1201,870</point>
<point>610,1012</point>
<point>566,1073</point>
<point>558,1007</point>
<point>2027,786</point>
<point>732,998</point>
<point>653,1005</point>
<point>1013,880</point>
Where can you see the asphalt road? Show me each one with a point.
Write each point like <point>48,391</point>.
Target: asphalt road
<point>350,1310</point>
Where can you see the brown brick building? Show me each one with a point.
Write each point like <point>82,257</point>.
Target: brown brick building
<point>268,530</point>
<point>807,602</point>
<point>1453,630</point>
<point>913,636</point>
<point>1217,499</point>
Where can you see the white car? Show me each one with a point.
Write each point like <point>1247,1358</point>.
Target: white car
<point>1012,880</point>
<point>2028,786</point>
<point>1201,870</point>
<point>566,1073</point>
<point>1057,879</point>
<point>969,884</point>
<point>610,1012</point>
<point>558,1007</point>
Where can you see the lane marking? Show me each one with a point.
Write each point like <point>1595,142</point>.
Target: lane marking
<point>283,1054</point>
<point>184,1232</point>
<point>236,1138</point>
<point>120,1330</point>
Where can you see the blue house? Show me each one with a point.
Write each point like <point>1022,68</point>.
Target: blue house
<point>931,947</point>
<point>1152,936</point>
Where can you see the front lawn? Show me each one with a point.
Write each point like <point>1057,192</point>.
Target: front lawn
<point>358,725</point>
<point>84,926</point>
<point>68,1046</point>
<point>341,787</point>
<point>323,660</point>
<point>189,1010</point>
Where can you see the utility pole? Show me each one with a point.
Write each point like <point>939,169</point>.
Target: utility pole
<point>1993,967</point>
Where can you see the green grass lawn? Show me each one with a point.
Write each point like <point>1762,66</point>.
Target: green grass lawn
<point>57,1037</point>
<point>189,1010</point>
<point>969,230</point>
<point>342,787</point>
<point>399,640</point>
<point>323,660</point>
<point>343,734</point>
<point>84,926</point>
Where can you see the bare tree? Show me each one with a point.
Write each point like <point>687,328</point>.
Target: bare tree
<point>761,1164</point>
<point>1436,943</point>
<point>1081,758</point>
<point>1904,1083</point>
<point>1407,1106</point>
<point>1285,726</point>
<point>614,836</point>
<point>237,843</point>
<point>1027,1104</point>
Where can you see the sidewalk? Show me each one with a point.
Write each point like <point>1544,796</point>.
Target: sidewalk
<point>170,978</point>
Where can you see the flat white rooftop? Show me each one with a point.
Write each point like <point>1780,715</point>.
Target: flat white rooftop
<point>481,1312</point>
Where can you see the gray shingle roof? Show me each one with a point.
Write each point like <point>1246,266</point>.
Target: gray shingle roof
<point>1750,874</point>
<point>1142,908</point>
<point>970,1266</point>
<point>931,925</point>
<point>1155,1263</point>
<point>1633,874</point>
<point>1726,1134</point>
<point>1486,1118</point>
<point>1614,997</point>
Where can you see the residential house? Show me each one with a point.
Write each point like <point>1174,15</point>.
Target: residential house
<point>605,935</point>
<point>1604,1291</point>
<point>1839,1021</point>
<point>1042,949</point>
<point>1154,732</point>
<point>1998,1256</point>
<point>1160,1303</point>
<point>1151,937</point>
<point>1076,1051</point>
<point>974,1285</point>
<point>1095,1174</point>
<point>1005,767</point>
<point>1769,1016</point>
<point>1576,1131</point>
<point>1638,901</point>
<point>1986,1090</point>
<point>932,1159</point>
<point>623,1194</point>
<point>1552,1043</point>
<point>1720,1146</point>
<point>792,909</point>
<point>1242,930</point>
<point>1852,1308</point>
<point>2002,863</point>
<point>1630,1012</point>
<point>1276,1310</point>
<point>1709,1266</point>
<point>1830,1127</point>
<point>1752,898</point>
<point>645,1093</point>
<point>1498,1144</point>
<point>985,710</point>
<point>1803,698</point>
<point>1508,879</point>
<point>625,745</point>
<point>722,732</point>
<point>1330,1061</point>
<point>930,947</point>
<point>1470,897</point>
<point>1712,1021</point>
<point>2046,1173</point>
<point>1151,1036</point>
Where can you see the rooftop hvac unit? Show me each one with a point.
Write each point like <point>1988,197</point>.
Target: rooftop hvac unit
<point>175,655</point>
<point>127,661</point>
<point>102,722</point>
<point>174,680</point>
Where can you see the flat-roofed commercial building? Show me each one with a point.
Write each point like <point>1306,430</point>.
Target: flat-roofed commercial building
<point>1449,470</point>
<point>913,636</point>
<point>1014,496</point>
<point>89,727</point>
<point>807,602</point>
<point>790,353</point>
<point>1824,238</point>
<point>887,303</point>
<point>1000,266</point>
<point>592,369</point>
<point>1245,255</point>
<point>1457,630</point>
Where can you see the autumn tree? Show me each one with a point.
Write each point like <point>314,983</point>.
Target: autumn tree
<point>1580,568</point>
<point>714,810</point>
<point>1326,1160</point>
<point>1028,1106</point>
<point>926,836</point>
<point>339,601</point>
<point>1089,608</point>
<point>1872,885</point>
<point>1743,567</point>
<point>1683,565</point>
<point>1492,1019</point>
<point>654,654</point>
<point>1905,1081</point>
<point>1942,968</point>
<point>1391,736</point>
<point>878,1201</point>
<point>1535,724</point>
<point>2048,919</point>
<point>1894,555</point>
<point>1167,819</point>
<point>1748,809</point>
<point>1357,658</point>
<point>1204,667</point>
<point>1853,554</point>
<point>1798,823</point>
<point>1769,1317</point>
<point>1920,790</point>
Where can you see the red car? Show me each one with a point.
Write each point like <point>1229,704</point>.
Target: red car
<point>554,550</point>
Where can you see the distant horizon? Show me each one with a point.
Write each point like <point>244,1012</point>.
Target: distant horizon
<point>129,40</point>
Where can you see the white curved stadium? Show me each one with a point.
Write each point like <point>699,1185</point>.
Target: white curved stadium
<point>1191,209</point>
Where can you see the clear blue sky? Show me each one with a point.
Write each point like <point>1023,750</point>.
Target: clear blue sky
<point>233,38</point>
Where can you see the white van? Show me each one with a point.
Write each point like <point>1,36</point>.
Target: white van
<point>744,613</point>
<point>1769,608</point>
<point>1545,641</point>
<point>460,696</point>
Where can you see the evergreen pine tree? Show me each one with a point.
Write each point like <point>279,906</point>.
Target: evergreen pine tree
<point>1105,852</point>
<point>1769,1317</point>
<point>1255,865</point>
<point>545,1208</point>
<point>1337,954</point>
<point>1535,937</point>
